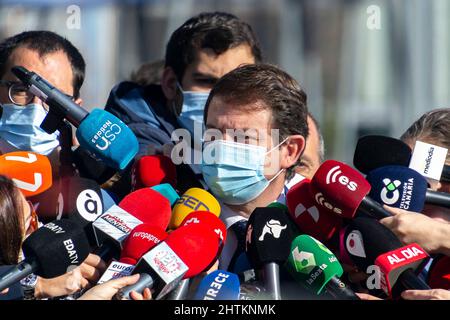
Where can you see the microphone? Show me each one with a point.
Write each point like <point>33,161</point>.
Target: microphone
<point>99,132</point>
<point>185,252</point>
<point>439,273</point>
<point>269,234</point>
<point>404,188</point>
<point>208,219</point>
<point>73,198</point>
<point>399,187</point>
<point>219,285</point>
<point>149,205</point>
<point>368,242</point>
<point>436,198</point>
<point>313,216</point>
<point>141,239</point>
<point>113,226</point>
<point>316,268</point>
<point>194,199</point>
<point>429,160</point>
<point>337,185</point>
<point>52,250</point>
<point>375,151</point>
<point>167,191</point>
<point>152,170</point>
<point>31,172</point>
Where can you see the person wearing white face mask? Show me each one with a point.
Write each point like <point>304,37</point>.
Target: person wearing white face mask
<point>53,58</point>
<point>269,108</point>
<point>198,53</point>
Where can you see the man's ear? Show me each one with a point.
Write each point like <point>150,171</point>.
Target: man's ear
<point>292,150</point>
<point>169,83</point>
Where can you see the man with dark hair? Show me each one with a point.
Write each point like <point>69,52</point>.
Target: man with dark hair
<point>198,53</point>
<point>55,59</point>
<point>58,61</point>
<point>256,120</point>
<point>314,153</point>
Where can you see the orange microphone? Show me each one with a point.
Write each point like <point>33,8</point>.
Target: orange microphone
<point>30,171</point>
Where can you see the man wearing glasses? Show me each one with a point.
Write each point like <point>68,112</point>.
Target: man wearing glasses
<point>56,60</point>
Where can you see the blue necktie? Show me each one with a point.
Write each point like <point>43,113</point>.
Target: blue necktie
<point>240,231</point>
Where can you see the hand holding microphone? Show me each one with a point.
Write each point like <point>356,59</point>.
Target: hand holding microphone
<point>107,290</point>
<point>412,227</point>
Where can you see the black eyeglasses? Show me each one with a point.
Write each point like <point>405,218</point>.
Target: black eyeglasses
<point>19,94</point>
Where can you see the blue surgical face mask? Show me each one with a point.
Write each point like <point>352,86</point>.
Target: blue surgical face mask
<point>192,110</point>
<point>20,127</point>
<point>236,176</point>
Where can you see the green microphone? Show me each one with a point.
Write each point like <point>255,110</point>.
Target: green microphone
<point>316,268</point>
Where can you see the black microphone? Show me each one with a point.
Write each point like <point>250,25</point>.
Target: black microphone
<point>368,242</point>
<point>375,151</point>
<point>50,251</point>
<point>269,235</point>
<point>441,199</point>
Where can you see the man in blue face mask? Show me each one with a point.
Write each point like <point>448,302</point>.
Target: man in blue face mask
<point>256,121</point>
<point>55,59</point>
<point>198,53</point>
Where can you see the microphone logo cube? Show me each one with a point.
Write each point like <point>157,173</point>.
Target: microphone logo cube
<point>390,187</point>
<point>304,261</point>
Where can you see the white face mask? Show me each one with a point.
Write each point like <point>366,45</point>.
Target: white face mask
<point>20,127</point>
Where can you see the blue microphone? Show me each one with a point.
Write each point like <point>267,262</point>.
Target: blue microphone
<point>219,285</point>
<point>99,132</point>
<point>398,187</point>
<point>168,192</point>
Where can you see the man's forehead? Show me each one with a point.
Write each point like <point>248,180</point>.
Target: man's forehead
<point>224,114</point>
<point>209,63</point>
<point>55,67</point>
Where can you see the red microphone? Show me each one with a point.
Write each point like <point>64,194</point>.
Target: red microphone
<point>149,206</point>
<point>211,221</point>
<point>141,240</point>
<point>31,172</point>
<point>439,273</point>
<point>338,186</point>
<point>141,206</point>
<point>150,171</point>
<point>312,215</point>
<point>394,265</point>
<point>186,252</point>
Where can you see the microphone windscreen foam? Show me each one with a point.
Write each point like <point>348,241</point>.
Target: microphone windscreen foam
<point>194,199</point>
<point>31,172</point>
<point>153,170</point>
<point>218,285</point>
<point>342,187</point>
<point>366,239</point>
<point>374,151</point>
<point>312,264</point>
<point>167,191</point>
<point>57,247</point>
<point>269,234</point>
<point>313,216</point>
<point>196,245</point>
<point>141,239</point>
<point>149,206</point>
<point>106,136</point>
<point>399,187</point>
